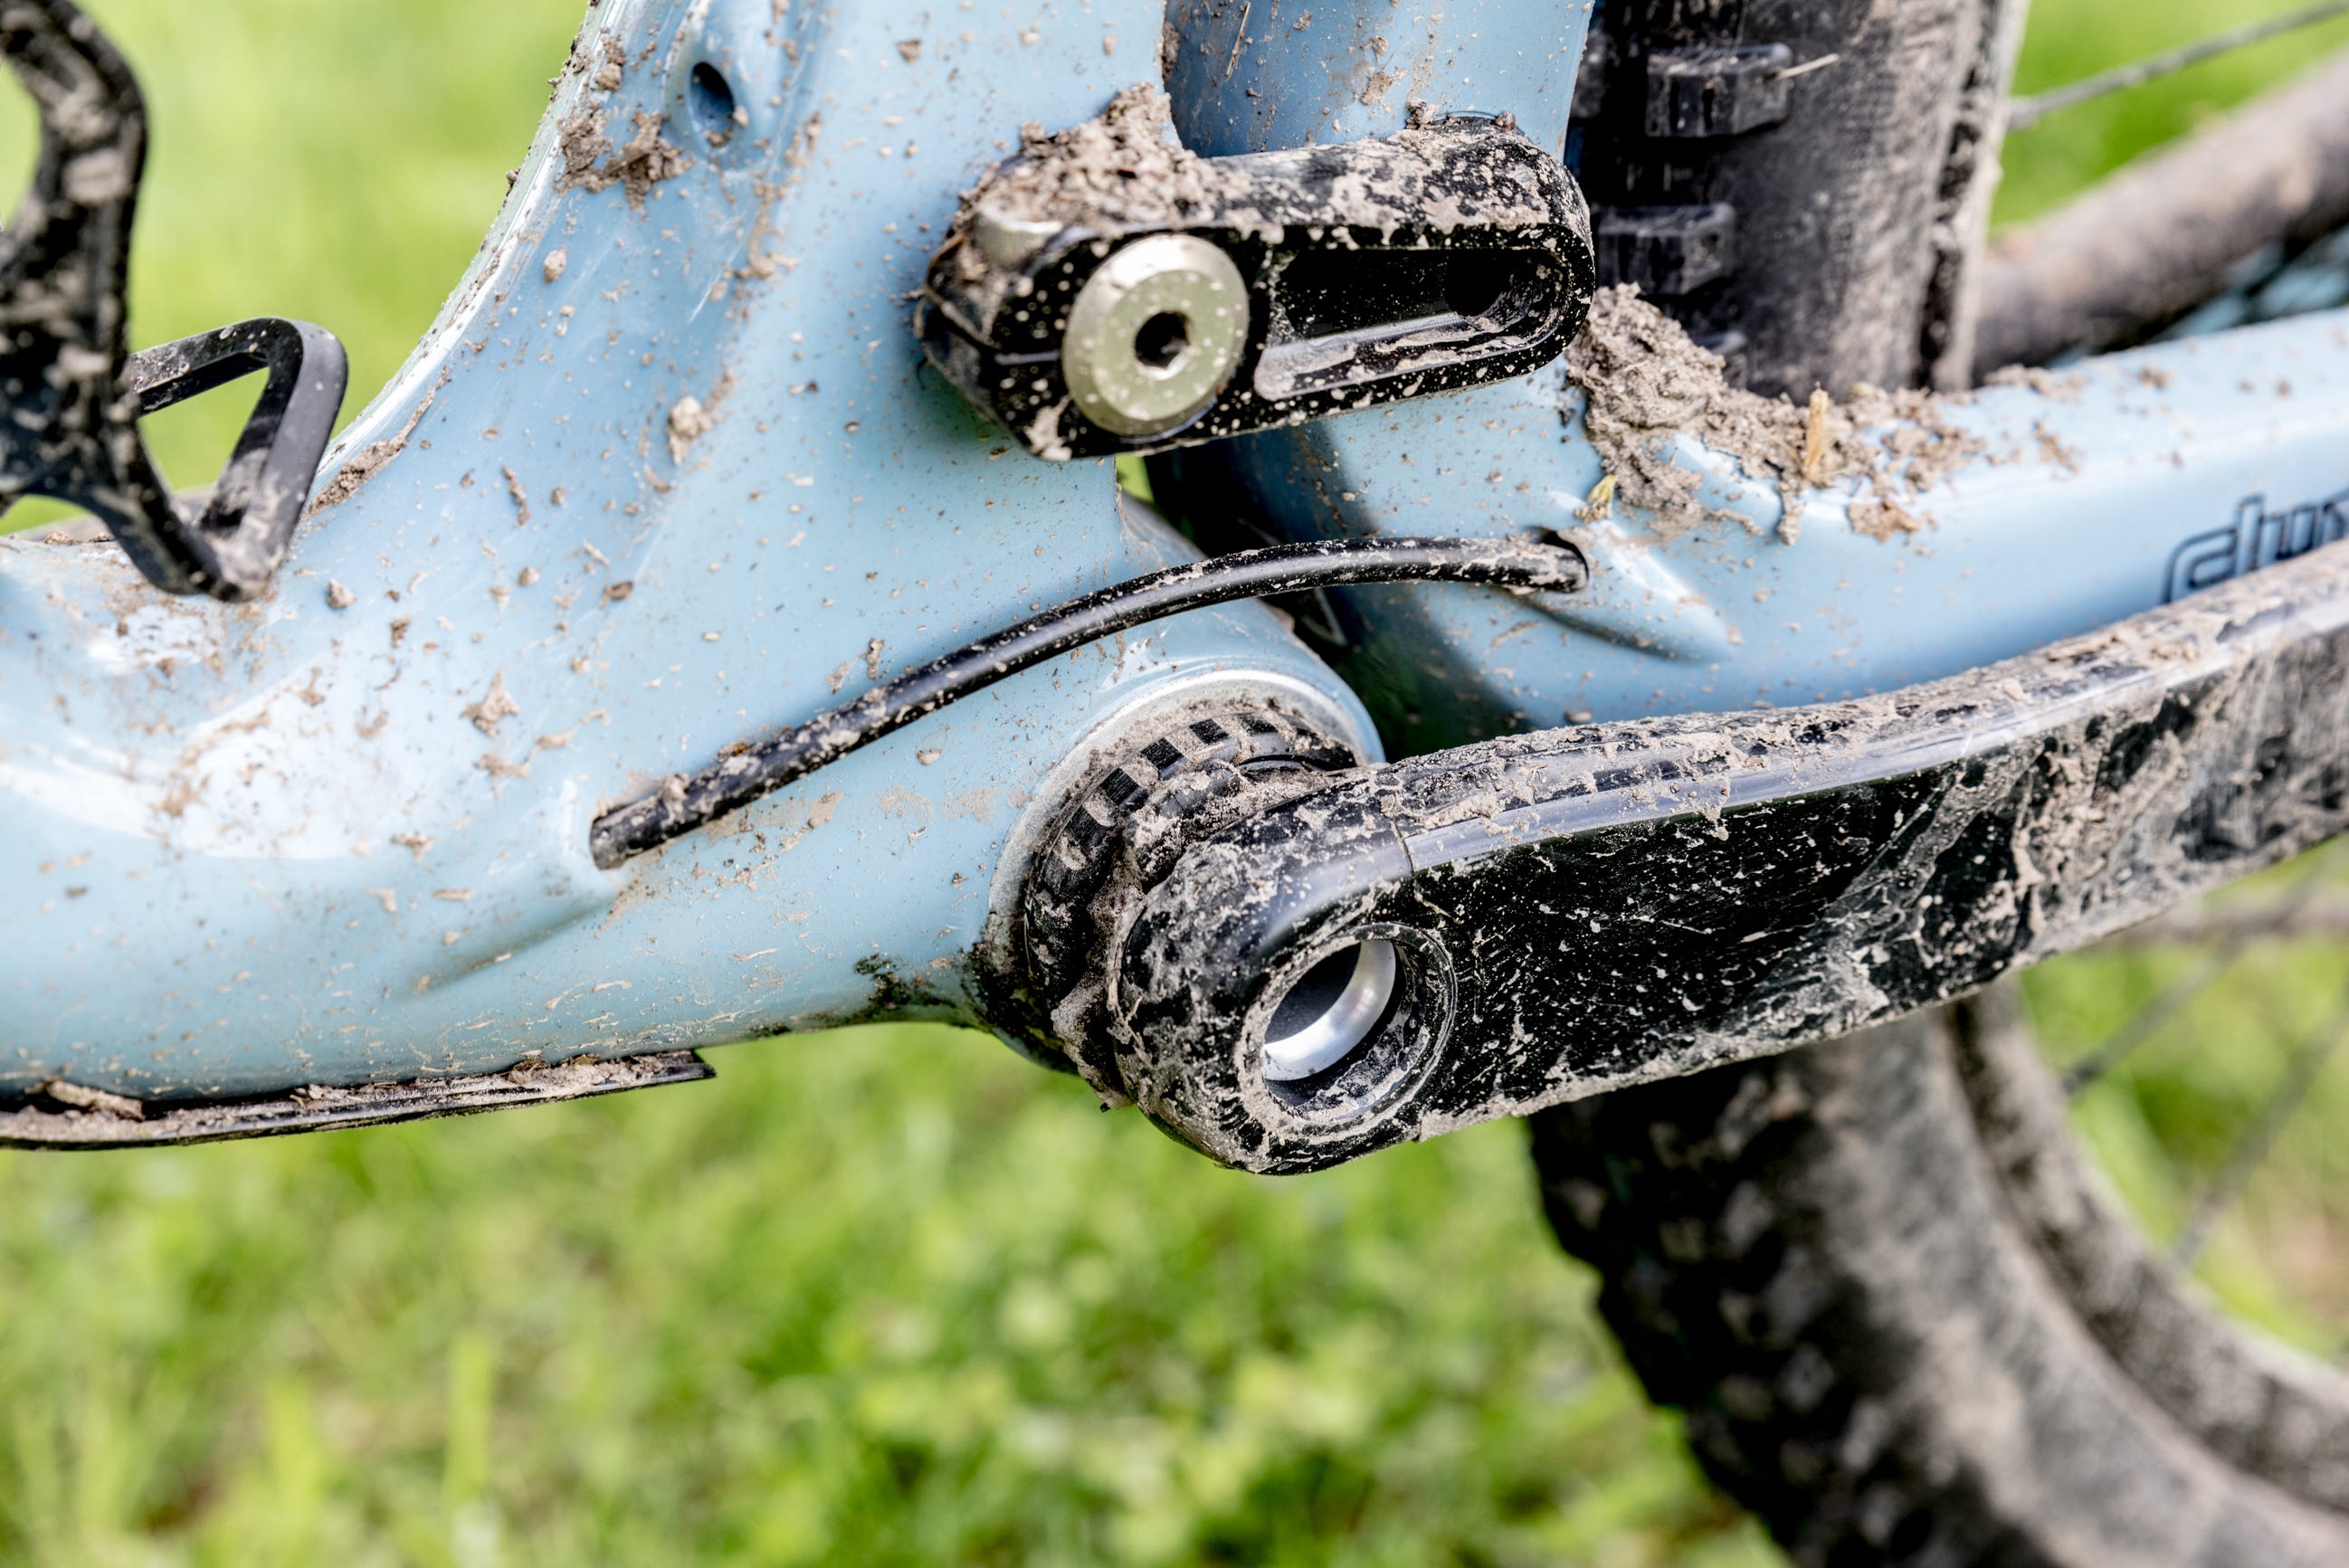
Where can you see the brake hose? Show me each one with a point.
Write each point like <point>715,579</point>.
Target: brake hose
<point>747,771</point>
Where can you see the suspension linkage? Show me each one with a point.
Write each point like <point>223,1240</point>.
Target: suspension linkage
<point>1104,290</point>
<point>1558,914</point>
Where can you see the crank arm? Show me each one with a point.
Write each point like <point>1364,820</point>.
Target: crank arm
<point>1106,292</point>
<point>1573,912</point>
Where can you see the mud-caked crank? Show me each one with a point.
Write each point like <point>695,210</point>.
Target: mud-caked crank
<point>1289,962</point>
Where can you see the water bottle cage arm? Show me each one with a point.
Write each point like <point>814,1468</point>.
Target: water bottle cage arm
<point>1105,291</point>
<point>73,395</point>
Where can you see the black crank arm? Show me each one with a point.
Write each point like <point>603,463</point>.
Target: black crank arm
<point>1594,907</point>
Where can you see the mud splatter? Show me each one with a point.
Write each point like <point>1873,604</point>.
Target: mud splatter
<point>2046,383</point>
<point>370,460</point>
<point>1649,384</point>
<point>581,140</point>
<point>615,60</point>
<point>688,423</point>
<point>1120,163</point>
<point>496,705</point>
<point>647,158</point>
<point>1123,170</point>
<point>82,1097</point>
<point>521,499</point>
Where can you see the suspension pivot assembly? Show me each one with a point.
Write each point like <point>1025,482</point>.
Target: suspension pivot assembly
<point>1364,956</point>
<point>1105,291</point>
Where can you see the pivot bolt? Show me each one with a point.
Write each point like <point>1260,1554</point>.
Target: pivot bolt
<point>1154,334</point>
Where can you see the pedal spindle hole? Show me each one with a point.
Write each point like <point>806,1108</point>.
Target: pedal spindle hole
<point>1360,1028</point>
<point>1334,1007</point>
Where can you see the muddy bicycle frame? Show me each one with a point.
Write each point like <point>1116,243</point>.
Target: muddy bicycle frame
<point>670,470</point>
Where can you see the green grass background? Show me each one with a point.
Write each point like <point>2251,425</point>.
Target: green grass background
<point>886,1295</point>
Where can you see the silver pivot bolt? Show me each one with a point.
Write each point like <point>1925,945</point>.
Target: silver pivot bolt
<point>1154,333</point>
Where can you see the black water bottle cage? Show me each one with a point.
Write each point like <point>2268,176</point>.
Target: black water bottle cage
<point>73,397</point>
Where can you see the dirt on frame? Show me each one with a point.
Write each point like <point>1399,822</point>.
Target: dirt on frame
<point>1648,383</point>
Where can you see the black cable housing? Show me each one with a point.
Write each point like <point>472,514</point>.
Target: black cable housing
<point>747,772</point>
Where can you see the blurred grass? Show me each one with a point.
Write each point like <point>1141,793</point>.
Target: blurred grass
<point>2162,1124</point>
<point>2068,39</point>
<point>335,163</point>
<point>882,1297</point>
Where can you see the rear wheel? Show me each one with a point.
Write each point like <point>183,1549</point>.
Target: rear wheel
<point>1908,1318</point>
<point>1908,1323</point>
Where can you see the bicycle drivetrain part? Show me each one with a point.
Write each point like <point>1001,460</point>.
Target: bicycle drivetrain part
<point>74,399</point>
<point>1531,920</point>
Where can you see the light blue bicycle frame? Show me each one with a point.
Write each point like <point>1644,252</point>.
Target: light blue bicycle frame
<point>669,470</point>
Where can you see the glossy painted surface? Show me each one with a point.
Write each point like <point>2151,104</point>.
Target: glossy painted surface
<point>2088,504</point>
<point>288,843</point>
<point>339,834</point>
<point>2140,477</point>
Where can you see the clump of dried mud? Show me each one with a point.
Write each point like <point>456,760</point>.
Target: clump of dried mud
<point>648,157</point>
<point>1648,383</point>
<point>1121,165</point>
<point>370,460</point>
<point>1124,171</point>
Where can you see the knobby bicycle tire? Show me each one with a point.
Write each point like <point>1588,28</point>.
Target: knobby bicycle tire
<point>1903,1318</point>
<point>1908,1327</point>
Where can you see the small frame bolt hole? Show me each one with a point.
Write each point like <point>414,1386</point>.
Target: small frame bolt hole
<point>711,99</point>
<point>1163,343</point>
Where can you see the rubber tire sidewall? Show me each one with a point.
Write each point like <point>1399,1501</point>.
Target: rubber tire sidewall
<point>1819,1259</point>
